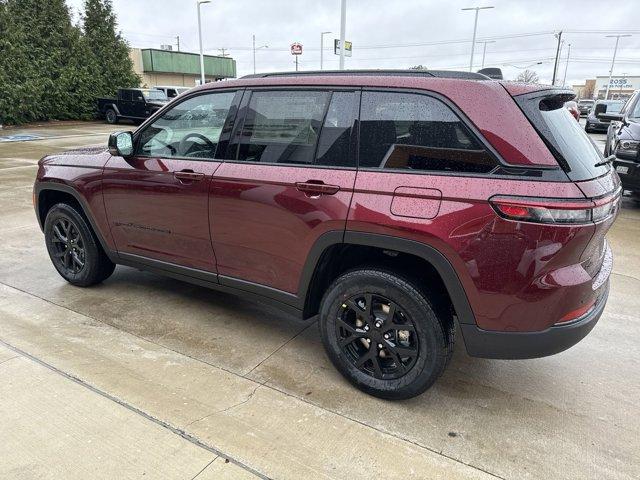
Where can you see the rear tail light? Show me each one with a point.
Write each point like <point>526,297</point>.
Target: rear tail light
<point>577,313</point>
<point>555,211</point>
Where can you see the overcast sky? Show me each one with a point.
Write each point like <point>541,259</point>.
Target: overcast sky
<point>396,34</point>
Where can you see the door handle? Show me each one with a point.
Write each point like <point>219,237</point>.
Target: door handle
<point>188,176</point>
<point>315,188</point>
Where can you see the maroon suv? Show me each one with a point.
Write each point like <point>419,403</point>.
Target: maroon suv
<point>389,204</point>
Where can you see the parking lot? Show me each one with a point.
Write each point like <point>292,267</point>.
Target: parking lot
<point>147,375</point>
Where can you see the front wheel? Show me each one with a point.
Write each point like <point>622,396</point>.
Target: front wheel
<point>383,334</point>
<point>73,248</point>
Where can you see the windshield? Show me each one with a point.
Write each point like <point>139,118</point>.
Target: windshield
<point>613,107</point>
<point>157,95</point>
<point>572,147</point>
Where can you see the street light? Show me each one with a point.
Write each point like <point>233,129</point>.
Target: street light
<point>200,2</point>
<point>322,34</point>
<point>522,68</point>
<point>254,52</point>
<point>484,49</point>
<point>343,26</point>
<point>475,28</point>
<point>615,51</point>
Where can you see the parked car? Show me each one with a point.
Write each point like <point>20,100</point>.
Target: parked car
<point>388,205</point>
<point>572,106</point>
<point>134,104</point>
<point>585,105</point>
<point>172,92</point>
<point>623,138</point>
<point>594,122</point>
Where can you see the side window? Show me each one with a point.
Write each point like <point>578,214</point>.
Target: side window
<point>138,96</point>
<point>125,95</point>
<point>334,146</point>
<point>417,132</point>
<point>191,129</point>
<point>282,126</point>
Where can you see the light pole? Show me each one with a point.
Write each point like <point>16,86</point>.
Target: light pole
<point>200,2</point>
<point>615,51</point>
<point>522,68</point>
<point>566,66</point>
<point>484,50</point>
<point>254,51</point>
<point>322,34</point>
<point>343,26</point>
<point>475,29</point>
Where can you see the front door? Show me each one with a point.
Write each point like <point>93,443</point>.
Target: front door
<point>287,178</point>
<point>157,200</point>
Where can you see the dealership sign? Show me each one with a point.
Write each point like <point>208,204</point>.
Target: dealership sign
<point>296,48</point>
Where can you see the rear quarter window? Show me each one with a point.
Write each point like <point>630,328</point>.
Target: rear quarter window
<point>575,151</point>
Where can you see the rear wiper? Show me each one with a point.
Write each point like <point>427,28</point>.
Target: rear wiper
<point>604,162</point>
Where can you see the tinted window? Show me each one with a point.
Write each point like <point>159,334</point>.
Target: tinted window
<point>334,146</point>
<point>190,129</point>
<point>125,95</point>
<point>572,147</point>
<point>282,126</point>
<point>416,132</point>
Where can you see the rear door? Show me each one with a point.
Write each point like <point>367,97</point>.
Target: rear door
<point>287,178</point>
<point>157,201</point>
<point>125,104</point>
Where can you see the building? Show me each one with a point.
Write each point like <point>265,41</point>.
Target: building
<point>166,67</point>
<point>621,87</point>
<point>586,90</point>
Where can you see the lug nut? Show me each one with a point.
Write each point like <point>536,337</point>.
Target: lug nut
<point>386,336</point>
<point>366,328</point>
<point>378,324</point>
<point>379,345</point>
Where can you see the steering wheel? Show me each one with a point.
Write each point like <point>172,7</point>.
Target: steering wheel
<point>183,143</point>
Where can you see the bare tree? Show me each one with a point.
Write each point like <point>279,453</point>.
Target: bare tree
<point>418,67</point>
<point>528,76</point>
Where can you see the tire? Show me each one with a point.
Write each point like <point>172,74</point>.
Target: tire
<point>588,130</point>
<point>111,116</point>
<point>410,360</point>
<point>73,248</point>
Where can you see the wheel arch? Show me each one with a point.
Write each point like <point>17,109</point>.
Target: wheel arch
<point>319,270</point>
<point>47,194</point>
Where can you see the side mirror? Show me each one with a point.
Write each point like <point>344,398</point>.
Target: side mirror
<point>615,117</point>
<point>599,108</point>
<point>121,144</point>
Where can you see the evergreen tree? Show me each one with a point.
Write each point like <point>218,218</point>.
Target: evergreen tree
<point>109,52</point>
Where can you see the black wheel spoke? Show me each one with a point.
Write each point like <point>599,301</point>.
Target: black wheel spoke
<point>58,235</point>
<point>370,335</point>
<point>67,246</point>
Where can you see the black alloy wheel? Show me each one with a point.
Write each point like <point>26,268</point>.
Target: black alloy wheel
<point>384,333</point>
<point>377,336</point>
<point>74,248</point>
<point>68,246</point>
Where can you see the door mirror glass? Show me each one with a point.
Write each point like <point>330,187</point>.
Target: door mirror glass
<point>121,144</point>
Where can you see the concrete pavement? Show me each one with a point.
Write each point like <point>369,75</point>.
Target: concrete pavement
<point>197,377</point>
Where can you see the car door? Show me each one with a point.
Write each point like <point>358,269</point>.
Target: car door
<point>287,179</point>
<point>125,105</point>
<point>157,200</point>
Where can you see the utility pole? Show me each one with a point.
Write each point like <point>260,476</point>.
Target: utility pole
<point>343,26</point>
<point>322,34</point>
<point>223,52</point>
<point>613,62</point>
<point>484,50</point>
<point>296,62</point>
<point>566,66</point>
<point>555,64</point>
<point>202,79</point>
<point>178,42</point>
<point>254,51</point>
<point>475,29</point>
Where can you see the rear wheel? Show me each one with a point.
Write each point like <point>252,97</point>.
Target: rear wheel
<point>383,334</point>
<point>74,249</point>
<point>111,116</point>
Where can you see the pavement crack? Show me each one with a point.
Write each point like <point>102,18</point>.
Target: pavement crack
<point>226,409</point>
<point>205,467</point>
<point>7,359</point>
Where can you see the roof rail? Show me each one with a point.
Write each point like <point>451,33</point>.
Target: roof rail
<point>390,73</point>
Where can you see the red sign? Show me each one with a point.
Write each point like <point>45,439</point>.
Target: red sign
<point>296,49</point>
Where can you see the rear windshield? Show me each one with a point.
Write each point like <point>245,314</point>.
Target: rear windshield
<point>576,153</point>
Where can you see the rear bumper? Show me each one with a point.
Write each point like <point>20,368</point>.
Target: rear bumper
<point>520,345</point>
